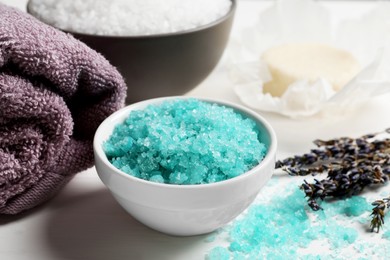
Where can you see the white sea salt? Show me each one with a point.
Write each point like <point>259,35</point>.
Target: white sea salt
<point>128,17</point>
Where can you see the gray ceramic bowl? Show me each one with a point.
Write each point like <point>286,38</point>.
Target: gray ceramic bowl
<point>165,64</point>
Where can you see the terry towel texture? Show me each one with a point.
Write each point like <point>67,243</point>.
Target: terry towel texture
<point>54,92</point>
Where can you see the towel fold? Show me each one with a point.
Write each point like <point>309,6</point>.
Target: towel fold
<point>54,92</point>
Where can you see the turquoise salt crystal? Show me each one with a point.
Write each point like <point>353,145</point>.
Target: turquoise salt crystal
<point>220,253</point>
<point>339,236</point>
<point>185,141</point>
<point>356,205</point>
<point>352,207</point>
<point>276,229</point>
<point>386,234</point>
<point>386,227</point>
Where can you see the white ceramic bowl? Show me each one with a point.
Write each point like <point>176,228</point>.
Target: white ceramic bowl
<point>183,210</point>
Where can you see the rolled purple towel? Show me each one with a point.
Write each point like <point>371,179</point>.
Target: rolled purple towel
<point>54,92</point>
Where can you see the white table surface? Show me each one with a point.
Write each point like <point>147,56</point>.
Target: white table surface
<point>84,221</point>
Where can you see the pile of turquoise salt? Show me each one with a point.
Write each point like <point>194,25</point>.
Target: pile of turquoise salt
<point>185,141</point>
<point>283,228</point>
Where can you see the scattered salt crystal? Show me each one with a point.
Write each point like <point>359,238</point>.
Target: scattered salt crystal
<point>386,235</point>
<point>282,229</point>
<point>170,143</point>
<point>220,253</point>
<point>128,17</point>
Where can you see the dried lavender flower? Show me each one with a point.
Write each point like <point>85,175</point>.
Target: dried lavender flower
<point>351,165</point>
<point>378,213</point>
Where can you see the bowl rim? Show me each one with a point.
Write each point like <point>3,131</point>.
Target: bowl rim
<point>226,16</point>
<point>269,157</point>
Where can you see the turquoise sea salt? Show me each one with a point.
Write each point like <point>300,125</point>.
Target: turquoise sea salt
<point>219,253</point>
<point>283,228</point>
<point>351,207</point>
<point>185,141</point>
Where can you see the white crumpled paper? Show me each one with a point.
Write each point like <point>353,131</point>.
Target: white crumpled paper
<point>367,38</point>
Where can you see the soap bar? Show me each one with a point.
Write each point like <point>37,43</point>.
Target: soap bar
<point>308,61</point>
